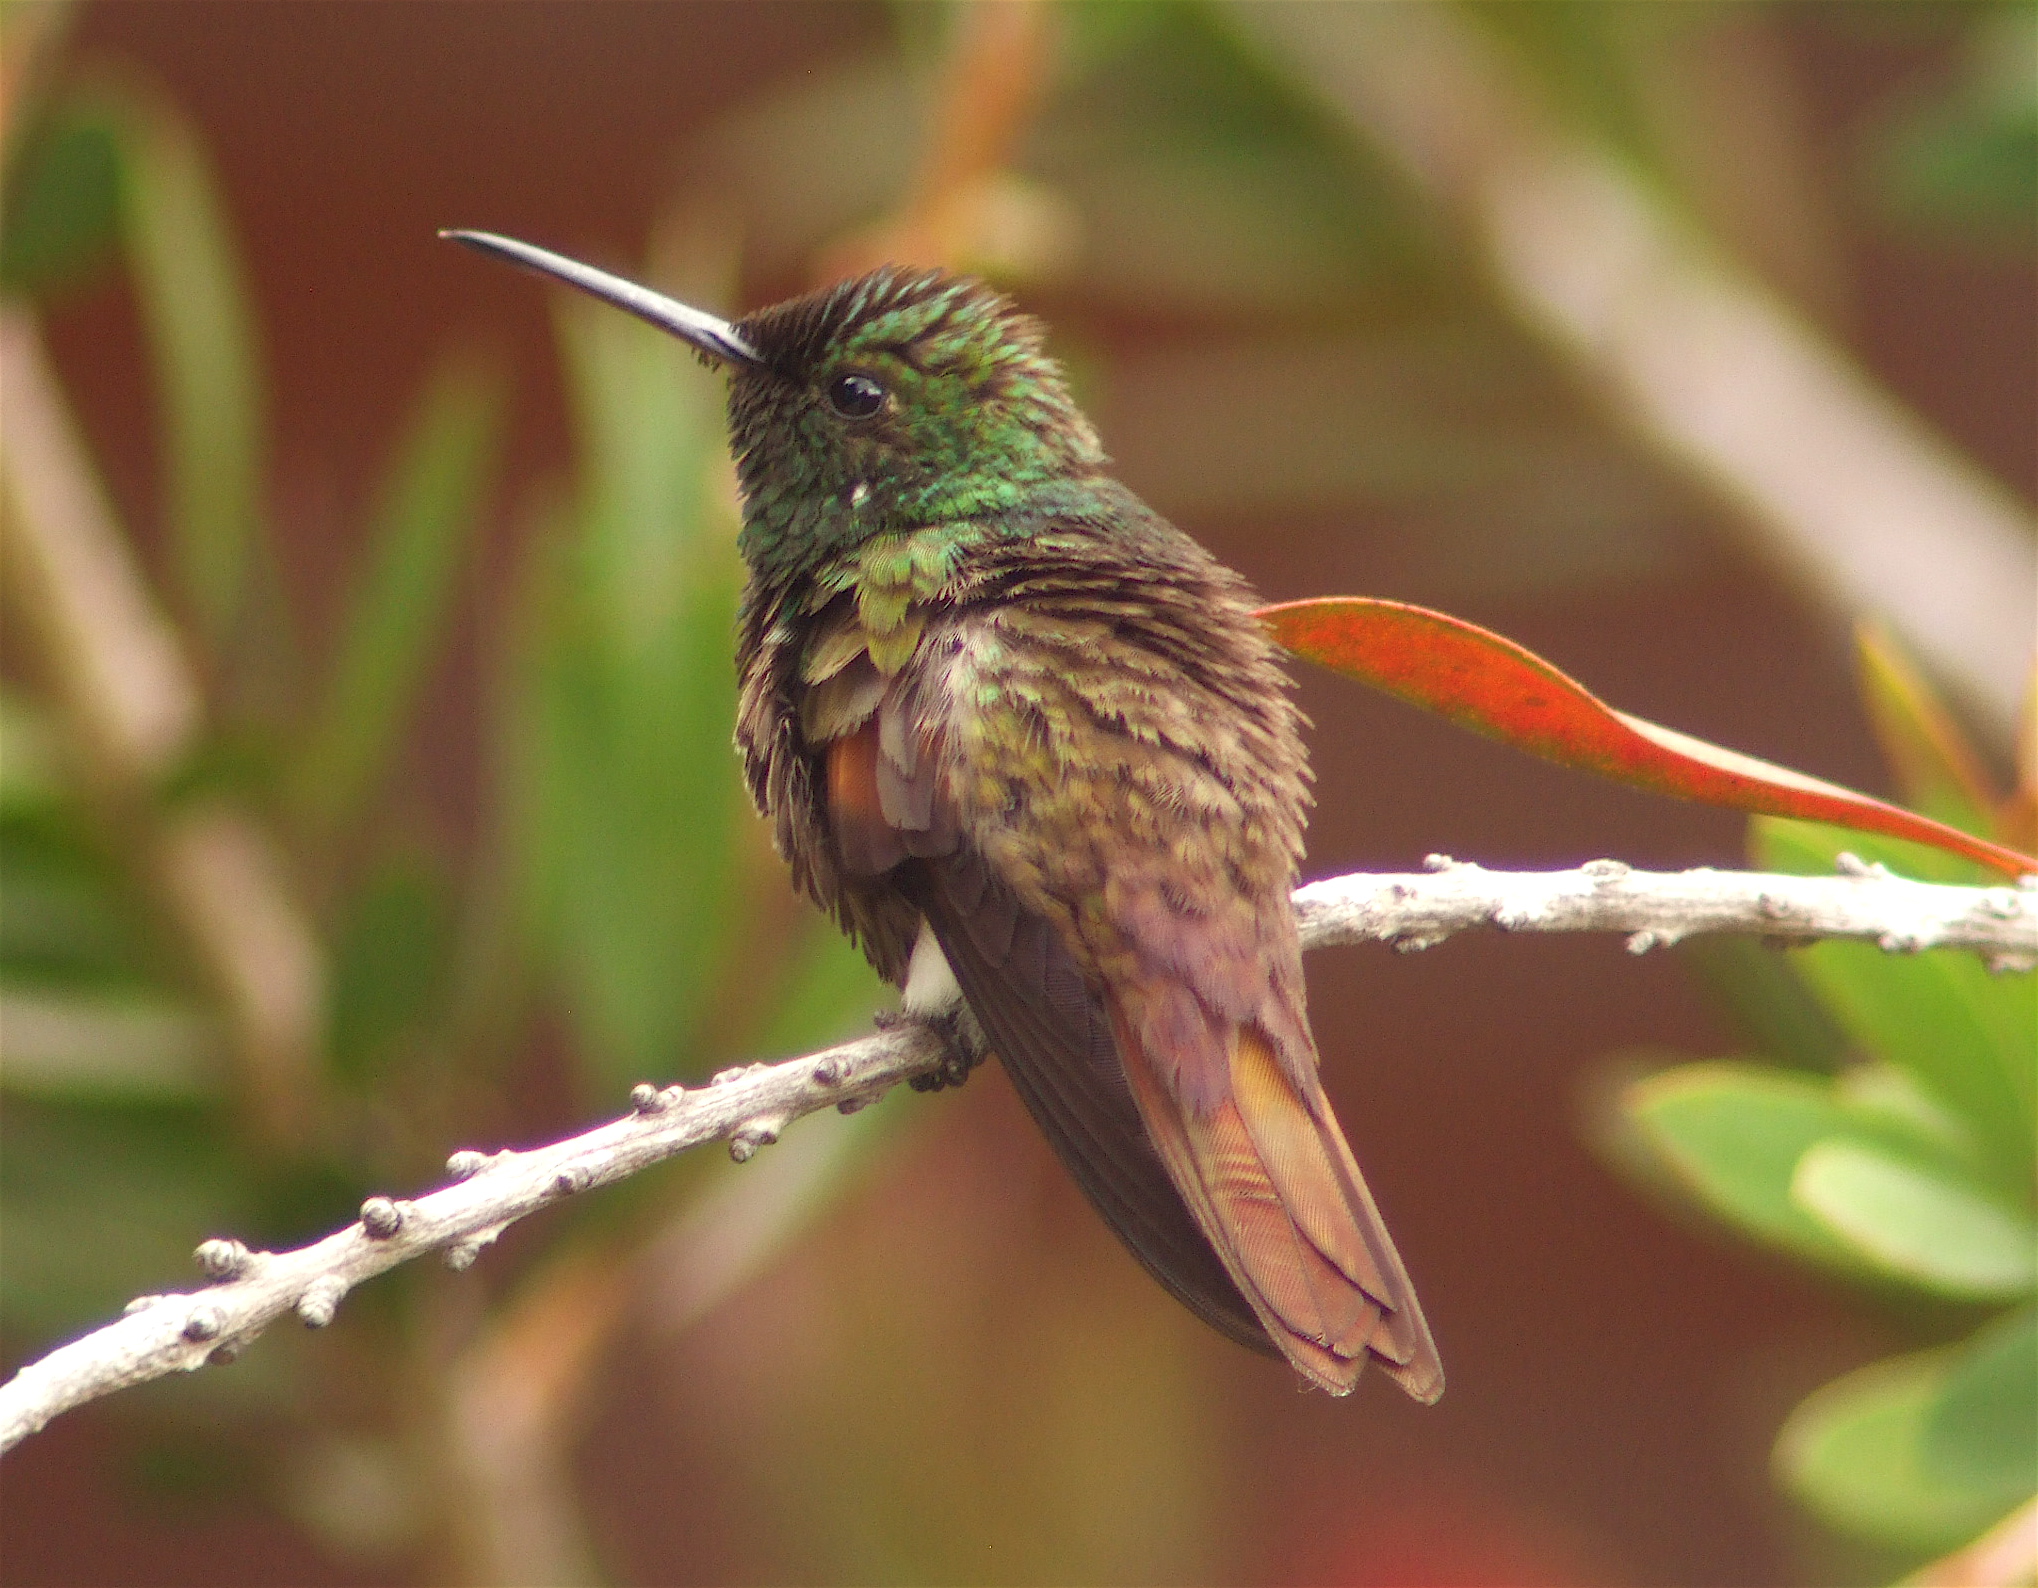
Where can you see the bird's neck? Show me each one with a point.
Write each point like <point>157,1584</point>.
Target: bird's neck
<point>792,535</point>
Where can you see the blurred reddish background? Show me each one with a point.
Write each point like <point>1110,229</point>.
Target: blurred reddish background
<point>1616,1374</point>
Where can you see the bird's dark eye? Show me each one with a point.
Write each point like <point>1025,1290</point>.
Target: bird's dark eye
<point>855,396</point>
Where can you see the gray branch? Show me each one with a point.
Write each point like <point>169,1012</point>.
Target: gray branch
<point>749,1107</point>
<point>1865,903</point>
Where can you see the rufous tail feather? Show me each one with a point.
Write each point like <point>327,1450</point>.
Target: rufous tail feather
<point>1274,1186</point>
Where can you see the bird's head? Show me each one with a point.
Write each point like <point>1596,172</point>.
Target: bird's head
<point>898,399</point>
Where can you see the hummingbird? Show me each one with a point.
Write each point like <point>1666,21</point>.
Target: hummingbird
<point>1028,745</point>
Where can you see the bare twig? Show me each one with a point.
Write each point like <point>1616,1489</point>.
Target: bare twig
<point>165,1334</point>
<point>748,1108</point>
<point>1658,909</point>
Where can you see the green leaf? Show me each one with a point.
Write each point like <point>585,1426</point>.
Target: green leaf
<point>1881,1091</point>
<point>30,775</point>
<point>1732,1134</point>
<point>1810,848</point>
<point>1775,1011</point>
<point>100,1205</point>
<point>1968,1038</point>
<point>1577,57</point>
<point>1860,1453</point>
<point>1983,1434</point>
<point>1735,1135</point>
<point>70,916</point>
<point>626,791</point>
<point>1923,1225</point>
<point>428,508</point>
<point>1968,159</point>
<point>195,306</point>
<point>62,204</point>
<point>391,962</point>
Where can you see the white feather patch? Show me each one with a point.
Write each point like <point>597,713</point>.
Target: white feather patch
<point>931,987</point>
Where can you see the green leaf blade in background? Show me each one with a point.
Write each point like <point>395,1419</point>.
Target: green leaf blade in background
<point>1869,1453</point>
<point>428,510</point>
<point>1773,1009</point>
<point>80,1245</point>
<point>62,204</point>
<point>199,317</point>
<point>86,1009</point>
<point>1963,159</point>
<point>1983,1431</point>
<point>1922,1225</point>
<point>67,915</point>
<point>1937,770</point>
<point>392,963</point>
<point>627,783</point>
<point>1969,1038</point>
<point>1850,1454</point>
<point>1732,1136</point>
<point>827,994</point>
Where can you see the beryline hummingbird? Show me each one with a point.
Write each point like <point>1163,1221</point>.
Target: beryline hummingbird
<point>1026,742</point>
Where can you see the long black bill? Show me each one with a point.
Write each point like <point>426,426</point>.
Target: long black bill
<point>715,337</point>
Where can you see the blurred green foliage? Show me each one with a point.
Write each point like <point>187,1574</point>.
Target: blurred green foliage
<point>416,541</point>
<point>616,886</point>
<point>621,766</point>
<point>1964,158</point>
<point>62,203</point>
<point>1907,1167</point>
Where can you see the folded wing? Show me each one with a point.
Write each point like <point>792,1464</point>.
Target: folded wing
<point>1237,1191</point>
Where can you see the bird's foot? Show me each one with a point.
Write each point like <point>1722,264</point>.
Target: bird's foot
<point>961,1055</point>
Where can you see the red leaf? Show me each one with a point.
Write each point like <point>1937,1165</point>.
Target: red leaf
<point>1495,687</point>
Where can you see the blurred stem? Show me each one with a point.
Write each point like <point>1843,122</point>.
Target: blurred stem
<point>490,991</point>
<point>30,32</point>
<point>1728,119</point>
<point>996,73</point>
<point>132,705</point>
<point>730,1235</point>
<point>196,309</point>
<point>2017,816</point>
<point>515,1396</point>
<point>131,709</point>
<point>1843,490</point>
